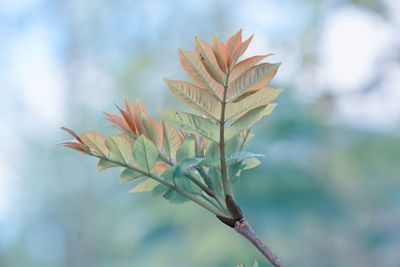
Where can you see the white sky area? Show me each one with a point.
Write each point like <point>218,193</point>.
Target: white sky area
<point>355,47</point>
<point>36,79</point>
<point>31,101</point>
<point>351,47</point>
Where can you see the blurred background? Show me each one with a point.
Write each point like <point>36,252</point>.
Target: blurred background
<point>327,193</point>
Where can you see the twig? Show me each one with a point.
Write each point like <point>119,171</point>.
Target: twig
<point>243,227</point>
<point>224,172</point>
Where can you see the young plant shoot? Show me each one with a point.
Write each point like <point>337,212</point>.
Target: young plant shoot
<point>196,156</point>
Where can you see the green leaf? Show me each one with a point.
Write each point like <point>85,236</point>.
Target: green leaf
<point>195,97</point>
<point>129,175</point>
<point>175,197</point>
<point>255,78</point>
<point>159,190</point>
<point>192,124</point>
<point>232,145</point>
<point>248,120</point>
<point>255,264</point>
<point>145,153</point>
<point>176,177</point>
<point>187,150</point>
<point>215,182</point>
<point>105,164</point>
<point>120,148</point>
<point>212,150</point>
<point>250,163</point>
<point>186,164</point>
<point>168,175</point>
<point>145,186</point>
<point>241,161</point>
<point>186,184</point>
<point>235,170</point>
<point>168,193</point>
<point>241,155</point>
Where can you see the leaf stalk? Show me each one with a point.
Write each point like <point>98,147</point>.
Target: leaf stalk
<point>159,179</point>
<point>228,189</point>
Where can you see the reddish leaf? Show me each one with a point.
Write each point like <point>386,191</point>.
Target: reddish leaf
<point>244,66</point>
<point>118,122</point>
<point>76,146</point>
<point>209,60</point>
<point>95,142</point>
<point>232,46</point>
<point>160,167</point>
<point>220,53</point>
<point>128,120</point>
<point>255,78</point>
<point>196,70</point>
<point>243,47</point>
<point>72,133</point>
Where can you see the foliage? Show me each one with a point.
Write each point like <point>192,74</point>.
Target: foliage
<point>193,157</point>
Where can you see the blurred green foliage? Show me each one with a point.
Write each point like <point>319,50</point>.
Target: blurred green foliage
<point>327,193</point>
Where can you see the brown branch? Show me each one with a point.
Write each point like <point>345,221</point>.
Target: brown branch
<point>243,227</point>
<point>226,182</point>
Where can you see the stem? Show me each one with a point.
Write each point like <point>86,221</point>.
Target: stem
<point>194,198</point>
<point>243,227</point>
<point>192,178</point>
<point>200,185</point>
<point>225,179</point>
<point>213,202</point>
<point>208,180</point>
<point>170,163</point>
